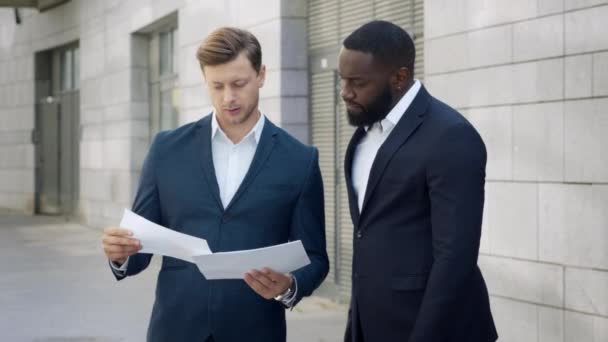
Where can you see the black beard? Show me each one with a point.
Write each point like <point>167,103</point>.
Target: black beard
<point>373,113</point>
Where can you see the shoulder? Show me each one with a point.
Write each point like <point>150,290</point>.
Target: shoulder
<point>174,139</point>
<point>447,122</point>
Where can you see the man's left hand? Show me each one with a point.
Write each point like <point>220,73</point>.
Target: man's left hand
<point>268,283</point>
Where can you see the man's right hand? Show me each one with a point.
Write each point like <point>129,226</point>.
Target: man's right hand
<point>118,244</point>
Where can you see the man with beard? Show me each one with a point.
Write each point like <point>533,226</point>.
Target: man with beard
<point>415,173</point>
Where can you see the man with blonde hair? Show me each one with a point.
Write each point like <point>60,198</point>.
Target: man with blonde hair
<point>238,181</point>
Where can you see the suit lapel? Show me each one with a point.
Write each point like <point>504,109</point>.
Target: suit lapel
<point>204,135</point>
<point>406,126</point>
<point>348,166</point>
<point>262,152</point>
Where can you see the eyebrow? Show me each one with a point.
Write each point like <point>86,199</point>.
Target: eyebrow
<point>356,77</point>
<point>235,81</point>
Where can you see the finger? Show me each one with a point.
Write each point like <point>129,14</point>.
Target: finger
<point>117,231</point>
<point>258,287</point>
<point>121,249</point>
<point>122,241</point>
<point>272,274</point>
<point>264,279</point>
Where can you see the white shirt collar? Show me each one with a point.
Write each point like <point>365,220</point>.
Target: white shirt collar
<point>393,117</point>
<point>256,131</point>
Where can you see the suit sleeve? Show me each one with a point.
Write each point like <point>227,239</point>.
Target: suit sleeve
<point>456,178</point>
<point>308,225</point>
<point>147,205</point>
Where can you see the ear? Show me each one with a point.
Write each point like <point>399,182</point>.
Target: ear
<point>261,76</point>
<point>400,78</point>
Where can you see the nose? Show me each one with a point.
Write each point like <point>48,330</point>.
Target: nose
<point>346,93</point>
<point>229,96</point>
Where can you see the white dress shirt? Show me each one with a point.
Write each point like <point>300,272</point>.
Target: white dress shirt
<point>231,163</point>
<point>368,147</point>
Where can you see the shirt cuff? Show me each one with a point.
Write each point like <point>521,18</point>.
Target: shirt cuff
<point>120,270</point>
<point>289,300</point>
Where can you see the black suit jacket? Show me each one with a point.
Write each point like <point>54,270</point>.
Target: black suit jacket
<point>415,276</point>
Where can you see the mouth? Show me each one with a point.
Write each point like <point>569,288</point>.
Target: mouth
<point>353,106</point>
<point>232,111</point>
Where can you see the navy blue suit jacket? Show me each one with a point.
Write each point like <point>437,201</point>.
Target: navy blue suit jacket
<point>415,276</point>
<point>279,200</point>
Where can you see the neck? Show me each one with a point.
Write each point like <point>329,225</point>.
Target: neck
<point>237,132</point>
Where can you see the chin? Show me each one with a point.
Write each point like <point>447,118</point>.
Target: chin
<point>356,119</point>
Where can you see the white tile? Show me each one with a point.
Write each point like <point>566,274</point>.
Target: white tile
<point>538,142</point>
<point>600,74</point>
<point>600,329</point>
<point>117,154</point>
<point>190,73</point>
<point>572,223</point>
<point>489,46</point>
<point>578,327</point>
<point>117,87</point>
<point>482,13</point>
<point>512,219</point>
<point>585,30</point>
<point>550,7</point>
<point>599,222</point>
<point>577,4</point>
<point>92,55</point>
<point>91,93</point>
<point>515,321</point>
<point>271,107</point>
<point>586,145</point>
<point>194,30</point>
<point>500,85</point>
<point>538,38</point>
<point>550,324</point>
<point>124,184</point>
<point>587,291</point>
<point>435,51</point>
<point>95,185</point>
<point>579,75</point>
<point>249,13</point>
<point>448,17</point>
<point>194,96</point>
<point>126,129</point>
<point>523,280</point>
<point>91,154</point>
<point>117,49</point>
<point>269,36</point>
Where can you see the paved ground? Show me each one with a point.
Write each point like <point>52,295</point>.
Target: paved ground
<point>55,286</point>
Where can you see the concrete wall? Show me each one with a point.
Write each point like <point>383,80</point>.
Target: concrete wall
<point>532,76</point>
<point>114,97</point>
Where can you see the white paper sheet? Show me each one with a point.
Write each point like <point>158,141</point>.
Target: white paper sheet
<point>286,257</point>
<point>157,239</point>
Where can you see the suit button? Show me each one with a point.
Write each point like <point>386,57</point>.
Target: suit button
<point>359,234</point>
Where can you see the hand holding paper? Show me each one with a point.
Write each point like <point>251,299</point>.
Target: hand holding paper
<point>157,239</point>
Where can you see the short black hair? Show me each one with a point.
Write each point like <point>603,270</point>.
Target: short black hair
<point>388,43</point>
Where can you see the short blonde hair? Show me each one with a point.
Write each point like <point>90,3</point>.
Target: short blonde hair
<point>225,44</point>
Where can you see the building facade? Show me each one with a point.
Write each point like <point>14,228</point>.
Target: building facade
<point>85,85</point>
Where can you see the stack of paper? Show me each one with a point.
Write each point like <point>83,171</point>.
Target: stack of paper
<point>157,239</point>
